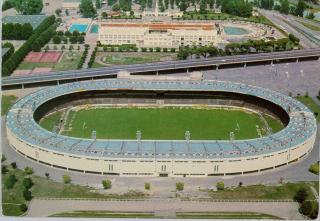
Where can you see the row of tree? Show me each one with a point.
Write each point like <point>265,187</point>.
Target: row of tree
<point>25,7</point>
<point>16,31</point>
<point>44,38</point>
<point>283,6</point>
<point>8,54</point>
<point>83,56</point>
<point>12,63</point>
<point>74,38</point>
<point>251,46</point>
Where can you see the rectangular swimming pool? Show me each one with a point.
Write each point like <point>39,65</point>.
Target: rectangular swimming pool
<point>94,28</point>
<point>78,27</point>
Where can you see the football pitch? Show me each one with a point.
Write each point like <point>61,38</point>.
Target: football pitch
<point>166,123</point>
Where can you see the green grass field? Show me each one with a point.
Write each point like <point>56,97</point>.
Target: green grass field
<point>179,215</point>
<point>6,103</point>
<point>166,123</point>
<point>311,104</point>
<point>51,121</point>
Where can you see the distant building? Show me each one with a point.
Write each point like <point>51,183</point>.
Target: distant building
<point>163,35</point>
<point>71,4</point>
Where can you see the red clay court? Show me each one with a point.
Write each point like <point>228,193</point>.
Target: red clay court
<point>52,57</point>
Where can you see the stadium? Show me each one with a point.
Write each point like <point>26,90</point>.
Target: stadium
<point>187,153</point>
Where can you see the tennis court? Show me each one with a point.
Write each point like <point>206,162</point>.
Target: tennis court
<point>43,57</point>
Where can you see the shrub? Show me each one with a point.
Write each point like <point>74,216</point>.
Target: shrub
<point>151,49</point>
<point>56,39</point>
<point>14,165</point>
<point>314,168</point>
<point>66,179</point>
<point>27,183</point>
<point>71,48</point>
<point>143,49</point>
<point>172,50</point>
<point>10,181</point>
<point>158,49</point>
<point>179,186</point>
<point>27,195</point>
<point>65,40</point>
<point>4,169</point>
<point>63,47</point>
<point>23,207</point>
<point>220,185</point>
<point>73,39</point>
<point>28,170</point>
<point>165,50</point>
<point>301,195</point>
<point>47,175</point>
<point>67,33</point>
<point>147,186</point>
<point>81,39</point>
<point>106,184</point>
<point>3,158</point>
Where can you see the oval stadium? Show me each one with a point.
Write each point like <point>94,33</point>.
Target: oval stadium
<point>199,128</point>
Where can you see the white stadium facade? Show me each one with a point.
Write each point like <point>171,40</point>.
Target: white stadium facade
<point>172,158</point>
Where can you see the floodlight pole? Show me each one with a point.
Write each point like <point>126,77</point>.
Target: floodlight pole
<point>138,136</point>
<point>187,136</point>
<point>94,135</point>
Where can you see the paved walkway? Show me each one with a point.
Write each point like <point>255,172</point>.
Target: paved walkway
<point>42,208</point>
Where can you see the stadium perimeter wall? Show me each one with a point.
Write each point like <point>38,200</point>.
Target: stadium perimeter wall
<point>172,167</point>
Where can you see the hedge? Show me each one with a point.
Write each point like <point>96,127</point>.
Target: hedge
<point>12,63</point>
<point>16,31</point>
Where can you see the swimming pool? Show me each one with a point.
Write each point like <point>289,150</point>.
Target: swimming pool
<point>230,30</point>
<point>94,28</point>
<point>78,27</point>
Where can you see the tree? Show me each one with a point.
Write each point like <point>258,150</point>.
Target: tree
<point>179,186</point>
<point>3,158</point>
<point>67,12</point>
<point>81,39</point>
<point>267,4</point>
<point>220,185</point>
<point>7,5</point>
<point>203,6</point>
<point>310,15</point>
<point>4,169</point>
<point>29,7</point>
<point>66,179</point>
<point>104,15</point>
<point>147,186</point>
<point>116,7</point>
<point>106,184</point>
<point>28,170</point>
<point>27,183</point>
<point>183,6</point>
<point>73,39</point>
<point>58,12</point>
<point>27,195</point>
<point>47,175</point>
<point>87,9</point>
<point>306,208</point>
<point>23,207</point>
<point>98,4</point>
<point>301,6</point>
<point>301,195</point>
<point>131,13</point>
<point>56,39</point>
<point>284,9</point>
<point>10,181</point>
<point>14,165</point>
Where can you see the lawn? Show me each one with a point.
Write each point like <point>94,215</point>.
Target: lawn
<point>224,215</point>
<point>12,198</point>
<point>69,61</point>
<point>123,58</point>
<point>166,123</point>
<point>314,168</point>
<point>310,26</point>
<point>311,104</point>
<point>179,215</point>
<point>281,192</point>
<point>6,103</point>
<point>104,214</point>
<point>50,121</point>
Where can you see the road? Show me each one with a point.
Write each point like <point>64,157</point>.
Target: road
<point>288,23</point>
<point>42,208</point>
<point>160,66</point>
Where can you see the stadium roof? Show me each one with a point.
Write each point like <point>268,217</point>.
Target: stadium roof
<point>34,20</point>
<point>20,121</point>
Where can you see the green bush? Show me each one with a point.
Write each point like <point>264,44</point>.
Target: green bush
<point>10,181</point>
<point>158,49</point>
<point>56,39</point>
<point>66,179</point>
<point>314,168</point>
<point>179,186</point>
<point>147,186</point>
<point>220,185</point>
<point>28,170</point>
<point>27,195</point>
<point>27,183</point>
<point>14,165</point>
<point>106,184</point>
<point>301,195</point>
<point>4,169</point>
<point>3,158</point>
<point>23,207</point>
